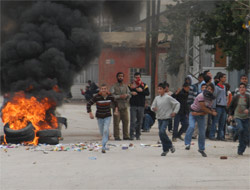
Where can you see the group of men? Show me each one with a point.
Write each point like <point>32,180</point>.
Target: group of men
<point>188,105</point>
<point>120,97</point>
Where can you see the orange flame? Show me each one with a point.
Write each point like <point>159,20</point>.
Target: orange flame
<point>21,110</point>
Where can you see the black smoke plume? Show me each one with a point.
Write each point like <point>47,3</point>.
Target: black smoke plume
<point>54,41</point>
<point>44,44</point>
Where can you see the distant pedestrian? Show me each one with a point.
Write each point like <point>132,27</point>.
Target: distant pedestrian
<point>239,110</point>
<point>182,115</point>
<point>149,118</point>
<point>243,79</point>
<point>165,107</point>
<point>103,102</point>
<point>122,95</point>
<point>220,105</point>
<point>139,91</point>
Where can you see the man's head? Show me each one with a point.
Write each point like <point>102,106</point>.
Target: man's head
<point>203,87</point>
<point>89,82</point>
<point>210,88</point>
<point>104,89</point>
<point>200,77</point>
<point>161,89</point>
<point>244,79</point>
<point>222,77</point>
<point>137,78</point>
<point>186,86</point>
<point>242,88</point>
<point>207,73</point>
<point>207,79</point>
<point>120,77</point>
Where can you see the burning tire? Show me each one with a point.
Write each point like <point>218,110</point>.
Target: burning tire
<point>49,133</point>
<point>48,140</point>
<point>28,130</point>
<point>20,139</point>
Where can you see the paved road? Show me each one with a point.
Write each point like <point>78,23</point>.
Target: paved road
<point>138,167</point>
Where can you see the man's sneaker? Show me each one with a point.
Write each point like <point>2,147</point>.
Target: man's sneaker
<point>240,153</point>
<point>138,138</point>
<point>202,153</point>
<point>187,147</point>
<point>132,138</point>
<point>174,140</point>
<point>172,149</point>
<point>103,151</point>
<point>126,138</point>
<point>164,153</point>
<point>117,139</point>
<point>170,131</point>
<point>212,139</point>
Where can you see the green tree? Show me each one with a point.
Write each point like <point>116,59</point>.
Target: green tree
<point>177,15</point>
<point>223,26</point>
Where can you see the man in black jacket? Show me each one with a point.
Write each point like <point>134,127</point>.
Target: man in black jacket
<point>139,91</point>
<point>149,118</point>
<point>182,116</point>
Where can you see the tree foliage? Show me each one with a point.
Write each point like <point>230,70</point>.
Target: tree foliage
<point>217,22</point>
<point>223,26</point>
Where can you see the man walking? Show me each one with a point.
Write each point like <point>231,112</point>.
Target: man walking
<point>139,91</point>
<point>239,109</point>
<point>182,115</point>
<point>165,107</point>
<point>103,102</point>
<point>121,93</point>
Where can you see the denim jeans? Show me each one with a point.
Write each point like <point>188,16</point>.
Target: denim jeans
<point>136,119</point>
<point>183,118</point>
<point>242,126</point>
<point>200,119</point>
<point>103,124</point>
<point>147,122</point>
<point>166,142</point>
<point>220,119</point>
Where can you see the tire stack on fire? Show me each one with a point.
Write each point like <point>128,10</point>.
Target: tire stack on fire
<point>27,134</point>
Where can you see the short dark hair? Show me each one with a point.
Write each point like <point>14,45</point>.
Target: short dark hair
<point>243,84</point>
<point>161,85</point>
<point>207,78</point>
<point>89,81</point>
<point>137,73</point>
<point>166,84</point>
<point>205,72</point>
<point>102,85</point>
<point>243,76</point>
<point>119,73</point>
<point>201,75</point>
<point>204,84</point>
<point>211,85</point>
<point>221,75</point>
<point>185,84</point>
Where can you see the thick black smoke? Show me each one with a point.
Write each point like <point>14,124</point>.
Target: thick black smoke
<point>46,43</point>
<point>55,40</point>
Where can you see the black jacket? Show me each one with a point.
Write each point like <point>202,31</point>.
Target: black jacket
<point>150,112</point>
<point>139,99</point>
<point>182,98</point>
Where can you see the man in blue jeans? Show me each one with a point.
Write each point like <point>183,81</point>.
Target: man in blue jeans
<point>239,109</point>
<point>103,102</point>
<point>202,105</point>
<point>220,105</point>
<point>165,107</point>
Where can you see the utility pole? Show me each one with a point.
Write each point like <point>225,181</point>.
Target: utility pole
<point>147,56</point>
<point>154,42</point>
<point>187,45</point>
